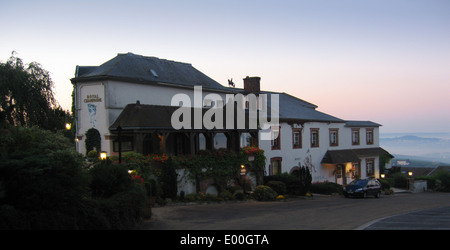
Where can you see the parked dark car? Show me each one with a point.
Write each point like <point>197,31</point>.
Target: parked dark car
<point>363,188</point>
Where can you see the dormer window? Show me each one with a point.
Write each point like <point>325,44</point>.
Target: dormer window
<point>154,73</point>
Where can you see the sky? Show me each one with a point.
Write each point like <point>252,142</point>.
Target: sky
<point>387,61</point>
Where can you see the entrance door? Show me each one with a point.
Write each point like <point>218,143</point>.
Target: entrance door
<point>341,178</point>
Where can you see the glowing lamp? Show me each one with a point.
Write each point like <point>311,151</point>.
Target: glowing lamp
<point>103,155</point>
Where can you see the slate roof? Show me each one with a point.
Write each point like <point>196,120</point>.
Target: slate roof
<point>130,67</point>
<point>340,156</point>
<point>351,155</point>
<point>361,124</point>
<point>143,69</point>
<point>158,118</point>
<point>365,152</point>
<point>294,109</point>
<point>417,171</point>
<point>440,168</point>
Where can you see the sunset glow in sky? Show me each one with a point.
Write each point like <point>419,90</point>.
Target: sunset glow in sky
<point>384,61</point>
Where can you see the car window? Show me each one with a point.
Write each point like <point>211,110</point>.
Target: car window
<point>373,183</point>
<point>359,182</point>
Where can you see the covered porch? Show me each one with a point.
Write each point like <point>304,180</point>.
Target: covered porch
<point>147,129</point>
<point>346,164</point>
<point>340,162</point>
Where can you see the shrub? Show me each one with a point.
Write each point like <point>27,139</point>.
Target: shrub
<point>168,180</point>
<point>124,209</point>
<point>442,183</point>
<point>264,193</point>
<point>385,184</point>
<point>398,180</point>
<point>227,195</point>
<point>43,185</point>
<point>109,179</point>
<point>292,183</point>
<point>296,184</point>
<point>55,181</point>
<point>326,188</point>
<point>305,178</point>
<point>277,186</point>
<point>239,196</point>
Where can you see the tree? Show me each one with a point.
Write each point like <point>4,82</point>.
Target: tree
<point>304,176</point>
<point>26,96</point>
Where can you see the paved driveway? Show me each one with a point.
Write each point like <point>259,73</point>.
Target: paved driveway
<point>321,212</point>
<point>430,219</point>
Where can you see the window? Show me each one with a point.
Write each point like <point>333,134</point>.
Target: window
<point>276,137</point>
<point>314,137</point>
<point>355,136</point>
<point>201,142</point>
<point>126,144</point>
<point>246,140</point>
<point>275,166</point>
<point>220,141</point>
<point>356,170</point>
<point>369,136</point>
<point>370,166</point>
<point>297,138</point>
<point>334,137</point>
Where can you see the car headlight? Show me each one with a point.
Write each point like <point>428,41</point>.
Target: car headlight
<point>359,190</point>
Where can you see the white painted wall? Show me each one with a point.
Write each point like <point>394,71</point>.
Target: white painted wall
<point>91,113</point>
<point>113,96</point>
<point>294,157</point>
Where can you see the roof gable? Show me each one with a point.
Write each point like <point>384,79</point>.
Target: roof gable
<point>137,68</point>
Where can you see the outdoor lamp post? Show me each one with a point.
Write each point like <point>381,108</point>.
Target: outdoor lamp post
<point>68,126</point>
<point>119,130</point>
<point>103,155</point>
<point>410,173</point>
<point>243,173</point>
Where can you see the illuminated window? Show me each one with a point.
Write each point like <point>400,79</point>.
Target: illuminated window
<point>275,166</point>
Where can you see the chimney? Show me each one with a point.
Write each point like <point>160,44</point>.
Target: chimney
<point>252,84</point>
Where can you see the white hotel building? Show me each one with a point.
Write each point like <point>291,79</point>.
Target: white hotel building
<point>133,94</point>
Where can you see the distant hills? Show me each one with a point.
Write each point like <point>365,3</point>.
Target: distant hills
<point>420,148</point>
<point>417,161</point>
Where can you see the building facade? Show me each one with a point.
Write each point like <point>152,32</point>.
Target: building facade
<point>134,95</point>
